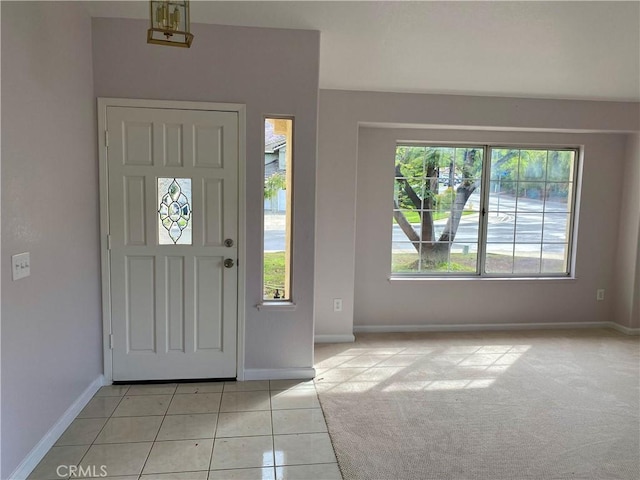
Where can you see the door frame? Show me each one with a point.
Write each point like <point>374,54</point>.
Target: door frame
<point>103,104</point>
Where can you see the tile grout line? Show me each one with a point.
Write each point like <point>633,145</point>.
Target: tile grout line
<point>157,433</point>
<point>93,442</point>
<point>215,431</point>
<point>273,435</point>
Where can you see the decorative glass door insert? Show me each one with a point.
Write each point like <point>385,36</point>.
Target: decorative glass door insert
<point>174,211</point>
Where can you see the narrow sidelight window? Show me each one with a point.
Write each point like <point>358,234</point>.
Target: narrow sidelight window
<point>278,206</point>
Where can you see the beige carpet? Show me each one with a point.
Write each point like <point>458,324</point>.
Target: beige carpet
<point>519,405</point>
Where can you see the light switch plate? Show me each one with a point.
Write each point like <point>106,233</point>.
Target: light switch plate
<point>20,265</point>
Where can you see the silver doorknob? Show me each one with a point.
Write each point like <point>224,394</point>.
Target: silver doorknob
<point>228,242</point>
<point>228,263</point>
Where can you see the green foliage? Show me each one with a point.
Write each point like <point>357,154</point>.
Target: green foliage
<point>427,169</point>
<point>422,166</point>
<point>414,217</point>
<point>416,162</point>
<point>458,267</point>
<point>532,173</point>
<point>274,272</point>
<point>445,199</point>
<point>459,262</point>
<point>273,183</point>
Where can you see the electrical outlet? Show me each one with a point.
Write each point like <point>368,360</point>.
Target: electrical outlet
<point>337,304</point>
<point>600,294</point>
<point>20,266</point>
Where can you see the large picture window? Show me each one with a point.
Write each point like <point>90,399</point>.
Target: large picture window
<point>481,210</point>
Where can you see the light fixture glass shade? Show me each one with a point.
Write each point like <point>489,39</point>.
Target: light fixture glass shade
<point>169,23</point>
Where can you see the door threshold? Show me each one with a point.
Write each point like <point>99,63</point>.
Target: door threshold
<point>177,380</point>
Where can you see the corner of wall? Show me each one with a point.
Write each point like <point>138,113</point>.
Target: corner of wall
<point>627,268</point>
<point>51,322</point>
<point>38,452</point>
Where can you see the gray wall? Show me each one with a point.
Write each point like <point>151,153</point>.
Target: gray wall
<point>381,302</point>
<point>340,115</point>
<point>627,292</point>
<point>51,321</point>
<point>273,72</point>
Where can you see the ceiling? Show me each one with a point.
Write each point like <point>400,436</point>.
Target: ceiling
<point>577,50</point>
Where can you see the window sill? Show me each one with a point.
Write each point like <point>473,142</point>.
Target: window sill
<point>482,279</point>
<point>277,306</point>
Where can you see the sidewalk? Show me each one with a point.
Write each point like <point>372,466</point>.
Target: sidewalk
<point>274,221</point>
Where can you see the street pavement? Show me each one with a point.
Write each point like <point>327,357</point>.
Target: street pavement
<point>509,220</point>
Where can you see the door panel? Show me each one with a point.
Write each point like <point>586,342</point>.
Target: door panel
<point>208,307</point>
<point>208,146</point>
<point>140,303</point>
<point>213,215</point>
<point>134,211</point>
<point>172,146</point>
<point>175,303</point>
<point>173,183</point>
<point>138,139</point>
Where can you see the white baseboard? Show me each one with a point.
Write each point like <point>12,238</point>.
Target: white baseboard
<point>349,338</point>
<point>51,437</point>
<point>477,327</point>
<point>623,329</point>
<point>279,373</point>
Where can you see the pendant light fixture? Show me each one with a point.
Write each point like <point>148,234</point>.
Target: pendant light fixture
<point>169,23</point>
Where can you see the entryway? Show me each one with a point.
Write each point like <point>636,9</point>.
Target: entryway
<point>169,200</point>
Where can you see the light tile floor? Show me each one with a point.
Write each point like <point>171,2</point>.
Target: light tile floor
<point>197,431</point>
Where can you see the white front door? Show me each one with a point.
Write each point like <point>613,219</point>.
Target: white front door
<point>173,223</point>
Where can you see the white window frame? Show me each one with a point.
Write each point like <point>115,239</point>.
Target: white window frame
<point>286,303</point>
<point>480,272</point>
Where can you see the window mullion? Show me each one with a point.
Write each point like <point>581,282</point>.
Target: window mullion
<point>484,210</point>
<point>544,208</point>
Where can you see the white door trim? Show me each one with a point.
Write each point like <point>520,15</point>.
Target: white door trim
<point>240,109</point>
